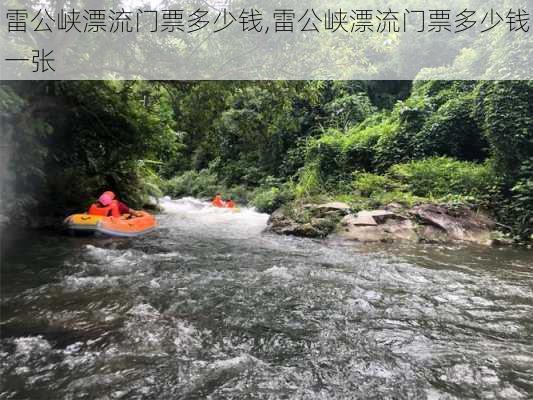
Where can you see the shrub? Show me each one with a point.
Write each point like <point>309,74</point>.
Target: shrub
<point>518,210</point>
<point>359,143</point>
<point>396,196</point>
<point>240,193</point>
<point>506,111</point>
<point>309,182</point>
<point>452,131</point>
<point>348,110</point>
<point>437,120</point>
<point>337,154</point>
<point>441,176</point>
<point>367,184</point>
<point>396,143</point>
<point>326,154</point>
<point>192,183</point>
<point>268,200</point>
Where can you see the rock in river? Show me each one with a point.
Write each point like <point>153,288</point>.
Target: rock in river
<point>443,223</point>
<point>376,226</point>
<point>426,222</point>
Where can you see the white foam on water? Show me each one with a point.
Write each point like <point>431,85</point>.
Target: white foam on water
<point>279,272</point>
<point>169,255</point>
<point>144,311</point>
<point>511,393</point>
<point>187,337</point>
<point>22,370</point>
<point>73,361</point>
<point>114,258</point>
<point>242,361</point>
<point>91,282</point>
<point>26,346</point>
<point>197,216</point>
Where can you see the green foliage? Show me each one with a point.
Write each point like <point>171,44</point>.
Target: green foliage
<point>368,184</point>
<point>371,143</point>
<point>272,194</point>
<point>338,154</point>
<point>309,182</point>
<point>204,184</point>
<point>343,112</point>
<point>294,158</point>
<point>506,112</point>
<point>75,139</point>
<point>360,146</point>
<point>250,127</point>
<point>324,158</point>
<point>452,131</point>
<point>269,199</point>
<point>441,176</point>
<point>23,154</point>
<point>379,199</point>
<point>405,198</point>
<point>193,183</point>
<point>397,144</point>
<point>518,211</point>
<point>437,120</point>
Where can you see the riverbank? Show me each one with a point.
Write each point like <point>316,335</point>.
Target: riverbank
<point>424,222</point>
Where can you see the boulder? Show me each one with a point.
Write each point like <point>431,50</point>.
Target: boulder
<point>432,234</point>
<point>335,206</point>
<point>380,216</point>
<point>396,207</point>
<point>370,218</point>
<point>324,225</point>
<point>283,224</point>
<point>308,230</point>
<point>280,223</point>
<point>452,224</point>
<point>358,220</point>
<point>426,222</point>
<point>391,230</point>
<point>152,203</point>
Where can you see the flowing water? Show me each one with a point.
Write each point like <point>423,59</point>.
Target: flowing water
<point>209,306</point>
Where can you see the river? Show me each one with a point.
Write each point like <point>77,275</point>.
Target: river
<point>209,306</point>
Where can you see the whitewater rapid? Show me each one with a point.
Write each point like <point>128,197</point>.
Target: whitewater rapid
<point>212,306</point>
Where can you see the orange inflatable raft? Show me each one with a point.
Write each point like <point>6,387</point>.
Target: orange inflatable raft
<point>125,226</point>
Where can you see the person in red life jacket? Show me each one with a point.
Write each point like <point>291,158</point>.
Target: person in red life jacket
<point>230,203</point>
<point>217,201</point>
<point>108,206</point>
